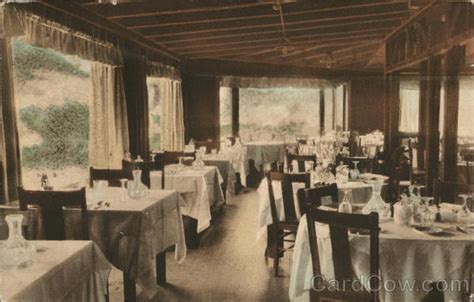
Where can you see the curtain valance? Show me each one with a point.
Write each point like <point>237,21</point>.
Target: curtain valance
<point>159,70</point>
<point>277,82</point>
<point>42,32</point>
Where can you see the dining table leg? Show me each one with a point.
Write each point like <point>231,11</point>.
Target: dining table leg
<point>129,288</point>
<point>161,268</point>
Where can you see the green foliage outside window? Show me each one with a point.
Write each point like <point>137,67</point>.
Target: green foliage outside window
<point>64,130</point>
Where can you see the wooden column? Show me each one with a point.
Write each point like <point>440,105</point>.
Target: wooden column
<point>429,118</point>
<point>9,141</point>
<point>391,113</point>
<point>321,111</point>
<point>235,111</point>
<point>453,61</point>
<point>333,109</point>
<point>423,100</point>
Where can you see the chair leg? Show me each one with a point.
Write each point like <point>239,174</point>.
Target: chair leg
<point>161,268</point>
<point>129,288</point>
<point>275,248</point>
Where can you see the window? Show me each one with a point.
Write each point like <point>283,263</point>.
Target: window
<point>328,110</point>
<point>466,112</point>
<point>225,95</point>
<point>340,106</point>
<point>154,111</point>
<point>409,106</point>
<point>52,95</point>
<point>278,113</point>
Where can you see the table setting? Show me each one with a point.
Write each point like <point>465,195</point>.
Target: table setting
<point>198,187</point>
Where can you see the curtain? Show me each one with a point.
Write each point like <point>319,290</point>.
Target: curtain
<point>9,145</point>
<point>409,106</point>
<point>137,104</point>
<point>172,121</point>
<point>108,134</point>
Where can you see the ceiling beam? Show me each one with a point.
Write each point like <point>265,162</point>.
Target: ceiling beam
<point>256,14</point>
<point>248,45</point>
<point>266,24</point>
<point>180,7</point>
<point>232,35</point>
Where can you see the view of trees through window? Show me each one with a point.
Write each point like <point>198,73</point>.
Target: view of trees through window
<point>52,93</point>
<point>278,113</point>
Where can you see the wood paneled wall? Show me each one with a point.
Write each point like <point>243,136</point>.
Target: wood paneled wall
<point>201,107</point>
<point>366,104</point>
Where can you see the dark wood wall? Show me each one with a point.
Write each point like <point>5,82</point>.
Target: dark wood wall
<point>201,107</point>
<point>366,103</point>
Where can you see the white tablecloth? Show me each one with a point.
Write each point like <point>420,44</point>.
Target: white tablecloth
<point>62,271</point>
<point>131,233</point>
<point>265,152</point>
<point>200,190</point>
<point>405,255</point>
<point>361,193</point>
<point>238,157</point>
<point>226,169</point>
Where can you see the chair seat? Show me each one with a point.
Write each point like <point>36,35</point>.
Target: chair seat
<point>288,225</point>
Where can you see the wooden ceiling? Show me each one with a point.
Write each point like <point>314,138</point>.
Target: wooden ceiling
<point>337,34</point>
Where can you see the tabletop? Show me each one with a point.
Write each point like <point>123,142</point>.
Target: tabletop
<point>61,271</point>
<point>406,255</point>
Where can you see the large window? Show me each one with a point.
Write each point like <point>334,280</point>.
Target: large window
<point>225,97</point>
<point>466,112</point>
<point>154,108</point>
<point>409,106</point>
<point>278,113</point>
<point>52,94</point>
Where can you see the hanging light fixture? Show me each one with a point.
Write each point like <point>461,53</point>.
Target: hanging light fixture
<point>284,44</point>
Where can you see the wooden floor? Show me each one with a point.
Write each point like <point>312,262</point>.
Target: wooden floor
<point>229,266</point>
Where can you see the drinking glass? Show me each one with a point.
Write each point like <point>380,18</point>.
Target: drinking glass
<point>464,214</point>
<point>347,200</point>
<point>123,191</point>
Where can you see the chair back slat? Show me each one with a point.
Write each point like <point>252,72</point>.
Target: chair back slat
<point>339,225</point>
<point>314,196</point>
<point>51,204</point>
<point>300,159</point>
<point>287,181</point>
<point>146,167</point>
<point>113,176</point>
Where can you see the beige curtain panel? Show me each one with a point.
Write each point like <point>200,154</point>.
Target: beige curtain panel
<point>172,122</point>
<point>108,134</point>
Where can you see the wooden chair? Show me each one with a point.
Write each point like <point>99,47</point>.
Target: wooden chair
<point>51,204</point>
<point>314,196</point>
<point>172,157</point>
<point>339,225</point>
<point>146,167</point>
<point>279,230</point>
<point>209,144</point>
<point>113,176</point>
<point>300,159</point>
<point>468,158</point>
<point>448,191</point>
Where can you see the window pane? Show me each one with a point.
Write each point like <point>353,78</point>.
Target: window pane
<point>409,106</point>
<point>278,113</point>
<point>225,95</point>
<point>52,93</point>
<point>154,107</point>
<point>339,107</point>
<point>328,109</point>
<point>466,111</point>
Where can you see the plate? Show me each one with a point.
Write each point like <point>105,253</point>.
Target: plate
<point>429,230</point>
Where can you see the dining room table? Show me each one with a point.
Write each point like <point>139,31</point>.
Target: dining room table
<point>412,262</point>
<point>361,192</point>
<point>199,188</point>
<point>133,234</point>
<point>264,152</point>
<point>61,271</point>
